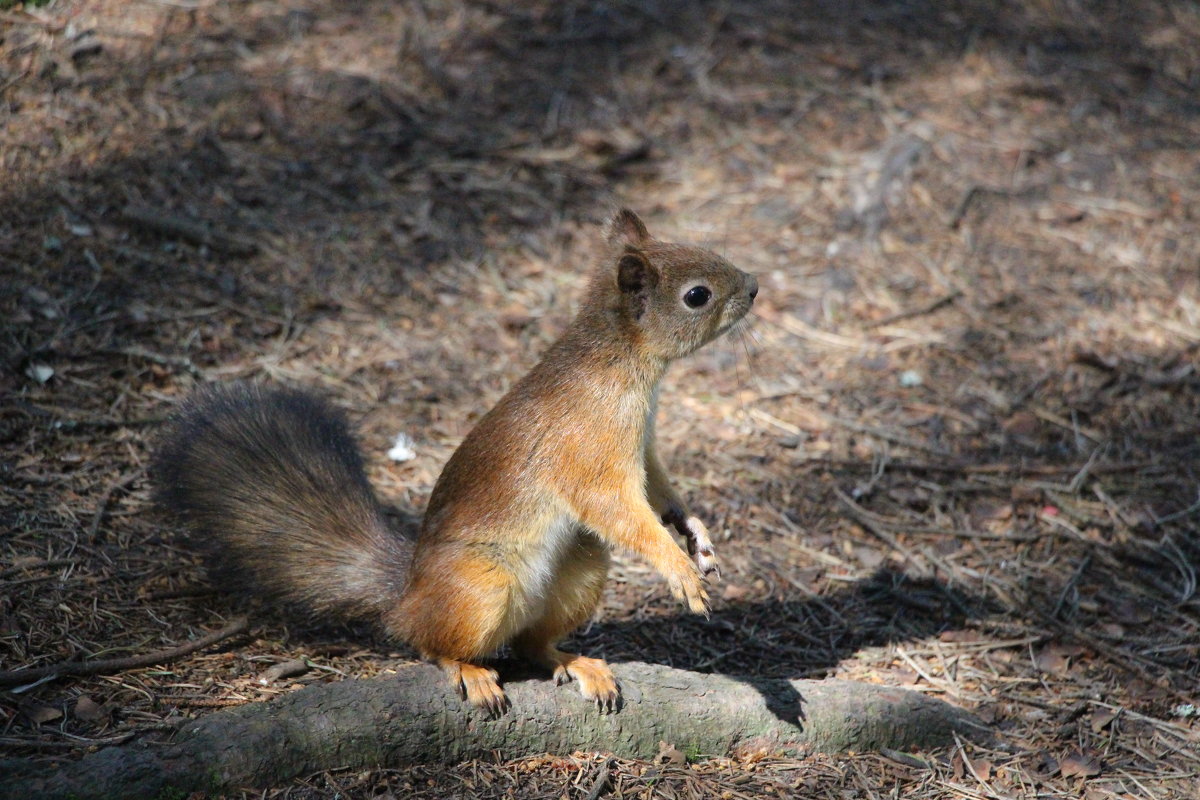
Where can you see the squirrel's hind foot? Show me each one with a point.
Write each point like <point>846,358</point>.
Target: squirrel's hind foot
<point>479,686</point>
<point>596,680</point>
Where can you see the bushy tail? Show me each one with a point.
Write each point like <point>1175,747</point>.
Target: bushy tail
<point>271,483</point>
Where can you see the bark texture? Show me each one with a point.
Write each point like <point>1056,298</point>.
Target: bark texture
<point>414,717</point>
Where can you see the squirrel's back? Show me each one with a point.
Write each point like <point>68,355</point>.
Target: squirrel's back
<point>271,484</point>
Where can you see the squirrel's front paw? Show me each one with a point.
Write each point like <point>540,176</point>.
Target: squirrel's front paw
<point>700,547</point>
<point>687,586</point>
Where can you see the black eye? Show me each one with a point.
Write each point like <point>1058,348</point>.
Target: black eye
<point>697,296</point>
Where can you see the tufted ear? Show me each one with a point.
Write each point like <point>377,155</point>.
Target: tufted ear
<point>637,279</point>
<point>625,228</point>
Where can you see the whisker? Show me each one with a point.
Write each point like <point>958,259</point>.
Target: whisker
<point>741,330</point>
<point>749,336</point>
<point>742,336</point>
<point>754,334</point>
<point>742,382</point>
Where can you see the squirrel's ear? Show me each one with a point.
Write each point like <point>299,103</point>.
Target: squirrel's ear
<point>626,228</point>
<point>637,278</point>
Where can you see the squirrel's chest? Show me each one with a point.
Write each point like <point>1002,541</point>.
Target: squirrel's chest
<point>620,423</point>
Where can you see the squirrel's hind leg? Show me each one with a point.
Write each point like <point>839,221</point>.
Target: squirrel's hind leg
<point>571,598</point>
<point>457,610</point>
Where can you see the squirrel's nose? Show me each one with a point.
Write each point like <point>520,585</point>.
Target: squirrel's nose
<point>753,286</point>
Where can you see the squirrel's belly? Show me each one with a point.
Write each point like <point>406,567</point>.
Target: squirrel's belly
<point>535,568</point>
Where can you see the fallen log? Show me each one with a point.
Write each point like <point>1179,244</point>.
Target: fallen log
<point>414,717</point>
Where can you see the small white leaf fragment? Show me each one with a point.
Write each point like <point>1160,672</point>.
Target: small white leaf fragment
<point>910,378</point>
<point>402,448</point>
<point>39,372</point>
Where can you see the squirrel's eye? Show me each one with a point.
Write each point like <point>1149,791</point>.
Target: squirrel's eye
<point>697,296</point>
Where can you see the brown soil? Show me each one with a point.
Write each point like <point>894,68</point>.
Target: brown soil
<point>959,450</point>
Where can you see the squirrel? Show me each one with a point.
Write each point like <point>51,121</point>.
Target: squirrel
<point>514,544</point>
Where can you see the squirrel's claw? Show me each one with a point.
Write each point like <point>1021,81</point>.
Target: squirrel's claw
<point>494,704</point>
<point>609,702</point>
<point>699,546</point>
<point>497,706</point>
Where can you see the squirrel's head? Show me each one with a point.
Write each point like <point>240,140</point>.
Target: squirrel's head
<point>677,298</point>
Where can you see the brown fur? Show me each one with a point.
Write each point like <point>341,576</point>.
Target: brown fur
<point>272,487</point>
<point>515,540</point>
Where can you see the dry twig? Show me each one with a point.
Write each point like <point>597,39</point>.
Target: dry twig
<point>110,665</point>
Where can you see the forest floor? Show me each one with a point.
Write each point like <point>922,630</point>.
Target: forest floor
<point>958,451</point>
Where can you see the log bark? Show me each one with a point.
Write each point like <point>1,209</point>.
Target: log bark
<point>414,717</point>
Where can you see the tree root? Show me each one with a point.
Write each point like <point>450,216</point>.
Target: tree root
<point>414,717</point>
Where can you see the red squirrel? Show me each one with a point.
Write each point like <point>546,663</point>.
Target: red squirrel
<point>514,545</point>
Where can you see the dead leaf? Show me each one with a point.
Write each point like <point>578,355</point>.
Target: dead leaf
<point>992,512</point>
<point>667,754</point>
<point>1077,764</point>
<point>734,592</point>
<point>1056,657</point>
<point>39,714</point>
<point>1021,423</point>
<point>988,713</point>
<point>983,769</point>
<point>1050,660</point>
<point>979,768</point>
<point>1101,718</point>
<point>1024,492</point>
<point>868,557</point>
<point>89,710</point>
<point>1131,612</point>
